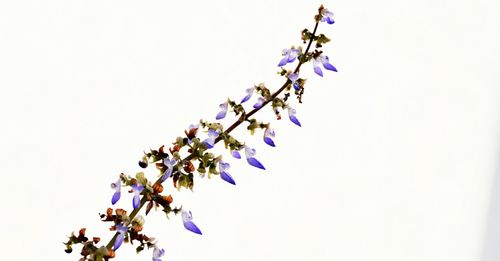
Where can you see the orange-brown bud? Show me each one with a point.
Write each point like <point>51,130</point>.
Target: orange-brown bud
<point>157,188</point>
<point>168,198</point>
<point>121,212</point>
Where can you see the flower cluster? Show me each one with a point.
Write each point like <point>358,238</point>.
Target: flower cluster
<point>193,152</point>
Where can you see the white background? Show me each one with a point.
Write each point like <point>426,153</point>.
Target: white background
<point>395,161</point>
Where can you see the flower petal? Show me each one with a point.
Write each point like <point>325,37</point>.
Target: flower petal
<point>223,110</point>
<point>291,116</point>
<point>249,93</point>
<point>236,154</point>
<point>317,70</point>
<point>158,253</point>
<point>330,67</point>
<point>136,201</point>
<point>226,177</point>
<point>166,174</point>
<point>189,225</point>
<point>269,142</point>
<point>283,61</point>
<point>293,77</point>
<point>295,120</point>
<point>259,103</point>
<point>118,241</point>
<point>254,162</point>
<point>116,197</point>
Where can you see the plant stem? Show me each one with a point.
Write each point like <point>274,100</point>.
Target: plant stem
<point>228,130</point>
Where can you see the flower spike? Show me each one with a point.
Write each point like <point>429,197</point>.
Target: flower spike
<point>188,224</point>
<point>117,187</point>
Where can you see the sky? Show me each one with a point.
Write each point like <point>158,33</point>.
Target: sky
<point>396,160</point>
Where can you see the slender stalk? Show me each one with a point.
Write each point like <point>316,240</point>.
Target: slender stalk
<point>228,130</point>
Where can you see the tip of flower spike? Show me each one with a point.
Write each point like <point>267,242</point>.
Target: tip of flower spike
<point>254,162</point>
<point>189,225</point>
<point>226,177</point>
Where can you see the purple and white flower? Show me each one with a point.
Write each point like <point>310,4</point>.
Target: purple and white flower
<point>323,59</point>
<point>259,103</point>
<point>136,189</point>
<point>327,16</point>
<point>293,77</point>
<point>122,230</point>
<point>289,56</point>
<point>158,253</point>
<point>268,137</point>
<point>248,95</point>
<point>223,167</point>
<point>187,218</point>
<point>117,187</point>
<point>223,111</point>
<point>236,154</point>
<point>249,154</point>
<point>210,141</point>
<point>170,167</point>
<point>291,116</point>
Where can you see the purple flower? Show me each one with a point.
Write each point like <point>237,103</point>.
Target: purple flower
<point>249,93</point>
<point>293,77</point>
<point>236,154</point>
<point>158,253</point>
<point>325,62</point>
<point>249,153</point>
<point>117,187</point>
<point>122,230</point>
<point>259,103</point>
<point>268,135</point>
<point>224,174</point>
<point>137,189</point>
<point>222,112</point>
<point>188,224</point>
<point>291,115</point>
<point>289,56</point>
<point>210,141</point>
<point>327,16</point>
<point>170,167</point>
